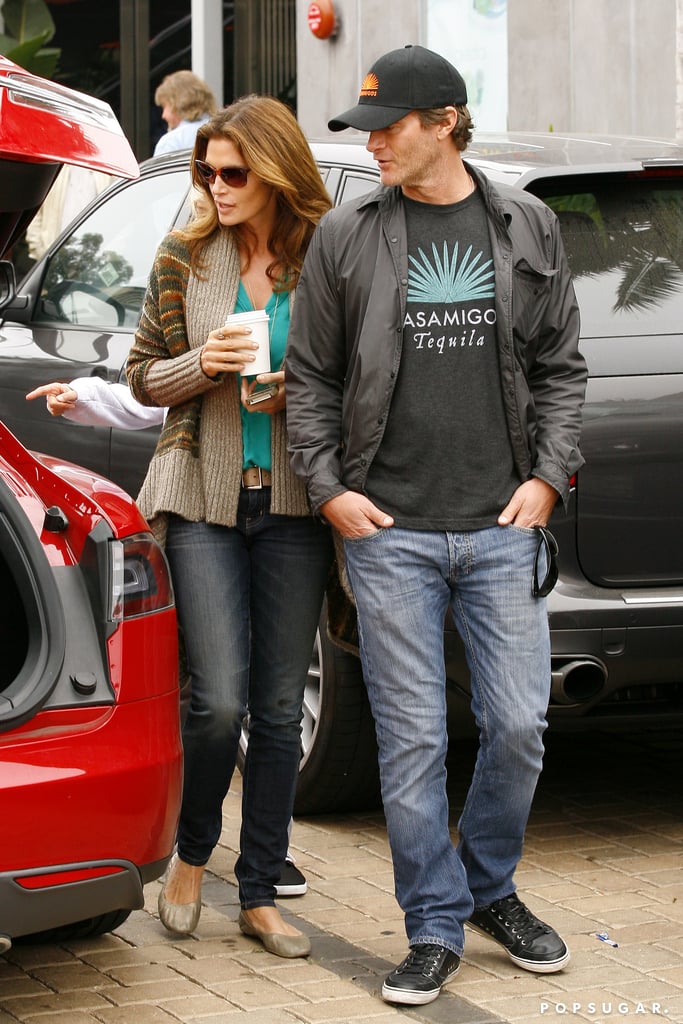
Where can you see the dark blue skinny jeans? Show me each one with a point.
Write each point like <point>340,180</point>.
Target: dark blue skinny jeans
<point>248,600</point>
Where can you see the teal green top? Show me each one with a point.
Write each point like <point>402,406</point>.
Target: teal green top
<point>256,425</point>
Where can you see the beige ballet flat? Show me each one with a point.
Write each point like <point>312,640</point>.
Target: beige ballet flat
<point>275,942</point>
<point>181,918</point>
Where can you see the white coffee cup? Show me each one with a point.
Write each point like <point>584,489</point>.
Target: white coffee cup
<point>258,320</point>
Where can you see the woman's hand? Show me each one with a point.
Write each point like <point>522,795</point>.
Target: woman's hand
<point>227,350</point>
<point>60,397</point>
<point>269,405</point>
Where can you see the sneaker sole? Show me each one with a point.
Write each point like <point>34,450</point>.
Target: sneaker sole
<point>408,998</point>
<point>392,995</point>
<point>547,967</point>
<point>291,890</point>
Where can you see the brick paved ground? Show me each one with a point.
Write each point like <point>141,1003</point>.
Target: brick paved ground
<point>604,853</point>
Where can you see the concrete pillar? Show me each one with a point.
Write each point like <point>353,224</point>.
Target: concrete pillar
<point>679,70</point>
<point>207,44</point>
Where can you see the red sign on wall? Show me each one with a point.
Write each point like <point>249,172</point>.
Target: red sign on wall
<point>321,19</point>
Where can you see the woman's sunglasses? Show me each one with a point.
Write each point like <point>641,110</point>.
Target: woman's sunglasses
<point>236,177</point>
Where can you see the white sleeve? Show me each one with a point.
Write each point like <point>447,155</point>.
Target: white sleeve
<point>101,404</point>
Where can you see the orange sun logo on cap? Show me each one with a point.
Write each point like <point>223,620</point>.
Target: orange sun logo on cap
<point>370,85</point>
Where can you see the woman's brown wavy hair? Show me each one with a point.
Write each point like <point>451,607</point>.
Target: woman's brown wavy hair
<point>274,148</point>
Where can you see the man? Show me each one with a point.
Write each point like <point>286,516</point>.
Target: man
<point>434,390</point>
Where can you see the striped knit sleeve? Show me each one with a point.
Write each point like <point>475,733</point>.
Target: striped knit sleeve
<point>149,343</point>
<point>161,369</point>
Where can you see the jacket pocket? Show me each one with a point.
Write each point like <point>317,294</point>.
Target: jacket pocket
<point>531,288</point>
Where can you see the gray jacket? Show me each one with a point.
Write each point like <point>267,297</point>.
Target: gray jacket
<point>345,339</point>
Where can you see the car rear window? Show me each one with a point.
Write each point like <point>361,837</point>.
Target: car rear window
<point>624,240</point>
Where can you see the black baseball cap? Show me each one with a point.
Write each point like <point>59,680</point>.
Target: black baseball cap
<point>411,78</point>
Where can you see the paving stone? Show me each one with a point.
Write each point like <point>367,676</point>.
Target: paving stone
<point>269,1016</point>
<point>21,985</point>
<point>360,1007</point>
<point>128,956</point>
<point>141,1015</point>
<point>143,974</point>
<point>659,932</point>
<point>67,1017</point>
<point>27,1008</point>
<point>202,1006</point>
<point>28,957</point>
<point>587,868</point>
<point>214,970</point>
<point>152,992</point>
<point>254,992</point>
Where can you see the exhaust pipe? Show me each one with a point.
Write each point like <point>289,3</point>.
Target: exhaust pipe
<point>576,682</point>
<point>5,944</point>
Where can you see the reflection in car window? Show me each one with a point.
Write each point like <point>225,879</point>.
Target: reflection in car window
<point>98,276</point>
<point>624,241</point>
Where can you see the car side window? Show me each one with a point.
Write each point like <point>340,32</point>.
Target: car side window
<point>98,275</point>
<point>354,185</point>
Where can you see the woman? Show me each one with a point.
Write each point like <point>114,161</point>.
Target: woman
<point>249,562</point>
<point>95,402</point>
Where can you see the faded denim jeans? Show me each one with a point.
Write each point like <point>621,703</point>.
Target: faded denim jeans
<point>403,582</point>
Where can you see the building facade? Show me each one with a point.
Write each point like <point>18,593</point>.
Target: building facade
<point>611,66</point>
<point>608,66</point>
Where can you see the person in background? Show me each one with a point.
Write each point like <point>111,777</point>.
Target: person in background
<point>435,388</point>
<point>248,560</point>
<point>186,102</point>
<point>94,402</point>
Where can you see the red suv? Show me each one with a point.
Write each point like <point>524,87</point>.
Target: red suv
<point>90,751</point>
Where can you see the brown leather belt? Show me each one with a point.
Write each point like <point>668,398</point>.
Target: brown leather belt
<point>255,477</point>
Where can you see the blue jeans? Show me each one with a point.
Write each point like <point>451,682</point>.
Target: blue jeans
<point>403,583</point>
<point>248,601</point>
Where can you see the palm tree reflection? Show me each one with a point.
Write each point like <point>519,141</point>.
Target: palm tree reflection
<point>637,231</point>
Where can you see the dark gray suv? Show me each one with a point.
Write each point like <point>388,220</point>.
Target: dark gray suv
<point>616,614</point>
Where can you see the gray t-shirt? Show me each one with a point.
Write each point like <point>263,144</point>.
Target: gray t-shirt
<point>445,461</point>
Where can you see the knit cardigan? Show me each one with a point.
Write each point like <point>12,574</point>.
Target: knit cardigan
<point>196,470</point>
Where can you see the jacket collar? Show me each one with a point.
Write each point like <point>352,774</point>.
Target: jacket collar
<point>387,197</point>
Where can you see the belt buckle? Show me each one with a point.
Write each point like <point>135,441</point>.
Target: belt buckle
<point>257,486</point>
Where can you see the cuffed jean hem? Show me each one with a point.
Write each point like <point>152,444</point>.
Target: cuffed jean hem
<point>192,861</point>
<point>435,940</point>
<point>253,904</point>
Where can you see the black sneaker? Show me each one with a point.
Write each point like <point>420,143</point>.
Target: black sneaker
<point>529,943</point>
<point>292,882</point>
<point>420,977</point>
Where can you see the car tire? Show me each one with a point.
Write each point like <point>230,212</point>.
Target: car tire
<point>338,769</point>
<point>85,929</point>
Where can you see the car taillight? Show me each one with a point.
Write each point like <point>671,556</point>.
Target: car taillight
<point>141,582</point>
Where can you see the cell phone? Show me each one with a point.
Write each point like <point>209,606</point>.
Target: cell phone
<point>262,394</point>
